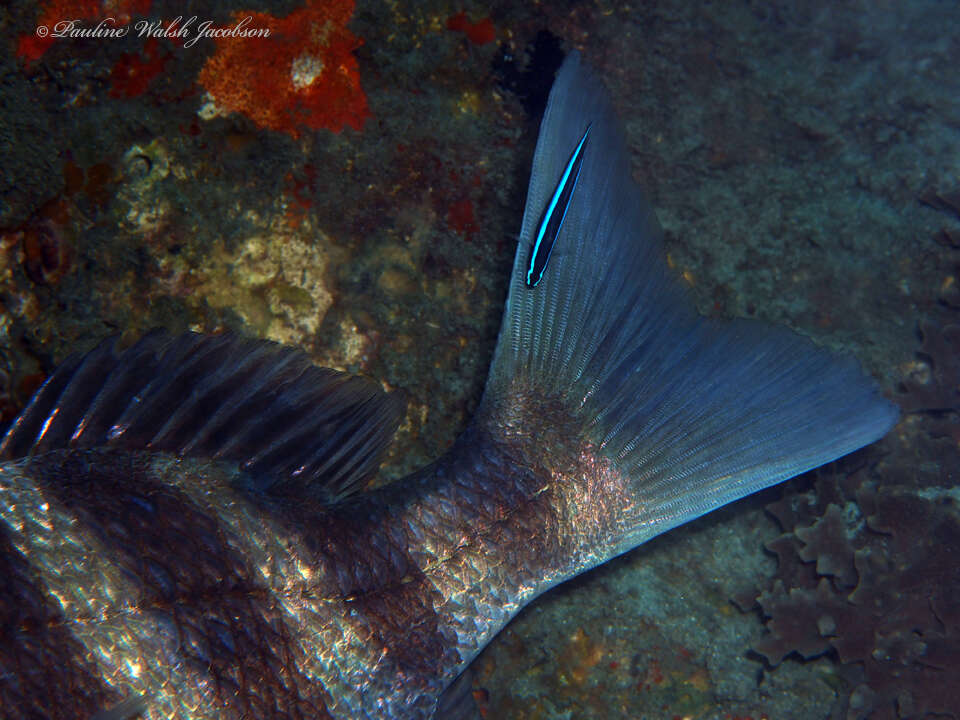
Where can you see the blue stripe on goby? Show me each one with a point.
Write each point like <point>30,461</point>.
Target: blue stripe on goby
<point>556,211</point>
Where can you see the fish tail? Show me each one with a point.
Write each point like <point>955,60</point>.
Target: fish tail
<point>606,363</point>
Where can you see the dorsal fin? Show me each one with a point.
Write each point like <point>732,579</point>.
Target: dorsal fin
<point>292,426</point>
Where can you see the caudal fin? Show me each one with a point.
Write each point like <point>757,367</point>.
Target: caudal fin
<point>692,413</point>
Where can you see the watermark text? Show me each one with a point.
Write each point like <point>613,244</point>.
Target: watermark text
<point>187,31</point>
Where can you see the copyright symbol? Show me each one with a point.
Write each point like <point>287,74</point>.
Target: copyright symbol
<point>42,31</point>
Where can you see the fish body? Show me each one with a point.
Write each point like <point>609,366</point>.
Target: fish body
<point>186,521</point>
<point>240,605</point>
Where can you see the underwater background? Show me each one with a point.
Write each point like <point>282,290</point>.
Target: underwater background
<point>353,185</point>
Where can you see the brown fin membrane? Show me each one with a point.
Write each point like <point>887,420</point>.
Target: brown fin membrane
<point>293,426</point>
<point>133,706</point>
<point>457,701</point>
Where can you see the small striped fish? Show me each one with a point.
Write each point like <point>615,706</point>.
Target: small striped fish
<point>554,214</point>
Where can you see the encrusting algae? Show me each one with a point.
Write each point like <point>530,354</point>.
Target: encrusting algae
<point>303,75</point>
